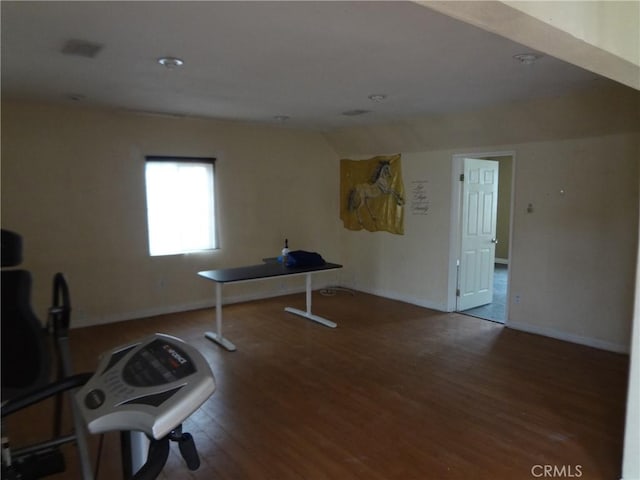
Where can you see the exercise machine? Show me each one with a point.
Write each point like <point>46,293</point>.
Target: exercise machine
<point>145,389</point>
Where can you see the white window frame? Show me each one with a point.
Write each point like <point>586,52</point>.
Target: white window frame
<point>181,209</point>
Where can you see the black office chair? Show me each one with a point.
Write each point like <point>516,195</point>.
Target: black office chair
<point>28,358</point>
<point>21,330</point>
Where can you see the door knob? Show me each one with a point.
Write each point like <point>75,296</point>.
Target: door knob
<point>494,240</point>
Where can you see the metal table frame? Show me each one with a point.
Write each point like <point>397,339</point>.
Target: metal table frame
<point>264,271</point>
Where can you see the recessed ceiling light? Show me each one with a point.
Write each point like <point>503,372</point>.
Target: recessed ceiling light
<point>377,97</point>
<point>170,62</point>
<point>353,113</point>
<point>527,58</point>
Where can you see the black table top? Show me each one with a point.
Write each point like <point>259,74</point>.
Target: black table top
<point>263,270</point>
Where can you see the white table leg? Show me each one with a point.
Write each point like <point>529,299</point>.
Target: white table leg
<point>308,315</point>
<point>217,335</point>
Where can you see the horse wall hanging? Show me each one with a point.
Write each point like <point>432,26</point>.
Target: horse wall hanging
<point>372,194</point>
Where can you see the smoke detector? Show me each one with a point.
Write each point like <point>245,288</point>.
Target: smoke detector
<point>527,58</point>
<point>377,97</point>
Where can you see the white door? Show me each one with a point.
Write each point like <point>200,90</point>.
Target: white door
<point>478,239</point>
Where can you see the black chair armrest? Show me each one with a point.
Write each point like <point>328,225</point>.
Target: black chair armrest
<point>26,400</point>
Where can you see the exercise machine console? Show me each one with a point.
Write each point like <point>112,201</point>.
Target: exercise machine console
<point>150,386</point>
<point>146,390</point>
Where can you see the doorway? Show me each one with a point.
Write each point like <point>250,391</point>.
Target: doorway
<point>496,310</point>
<point>480,267</point>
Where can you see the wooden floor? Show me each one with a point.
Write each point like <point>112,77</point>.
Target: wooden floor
<point>395,392</point>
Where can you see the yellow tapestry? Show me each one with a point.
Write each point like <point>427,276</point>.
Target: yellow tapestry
<point>372,194</point>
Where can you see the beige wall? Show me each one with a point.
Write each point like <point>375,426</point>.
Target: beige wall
<point>631,459</point>
<point>73,186</point>
<point>582,114</point>
<point>412,267</point>
<point>572,259</point>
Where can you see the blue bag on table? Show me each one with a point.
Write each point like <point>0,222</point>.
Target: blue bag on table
<point>301,258</point>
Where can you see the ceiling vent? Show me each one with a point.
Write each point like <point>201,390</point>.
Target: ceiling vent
<point>354,113</point>
<point>81,48</point>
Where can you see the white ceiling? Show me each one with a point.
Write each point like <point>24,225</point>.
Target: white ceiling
<point>252,61</point>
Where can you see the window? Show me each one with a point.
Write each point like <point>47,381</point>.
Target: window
<point>180,205</point>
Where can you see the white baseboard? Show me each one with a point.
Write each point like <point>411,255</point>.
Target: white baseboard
<point>569,337</point>
<point>231,299</point>
<point>79,322</point>
<point>247,297</point>
<point>185,307</point>
<point>420,302</point>
<point>502,261</point>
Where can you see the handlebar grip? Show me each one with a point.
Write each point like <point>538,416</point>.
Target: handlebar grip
<point>60,311</point>
<point>189,453</point>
